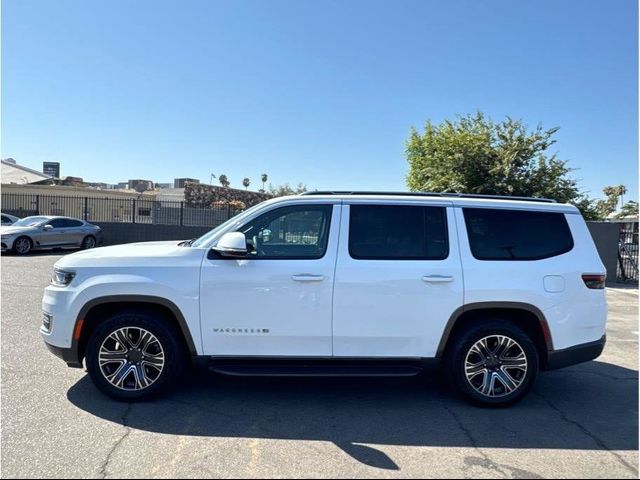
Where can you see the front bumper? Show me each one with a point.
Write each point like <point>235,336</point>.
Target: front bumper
<point>7,243</point>
<point>69,355</point>
<point>574,355</point>
<point>58,306</point>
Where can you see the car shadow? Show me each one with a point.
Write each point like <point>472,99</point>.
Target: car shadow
<point>593,406</point>
<point>42,253</point>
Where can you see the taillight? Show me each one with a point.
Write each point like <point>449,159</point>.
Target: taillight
<point>594,281</point>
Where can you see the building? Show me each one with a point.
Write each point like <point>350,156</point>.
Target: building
<point>79,202</point>
<point>12,173</point>
<point>170,196</point>
<point>181,182</point>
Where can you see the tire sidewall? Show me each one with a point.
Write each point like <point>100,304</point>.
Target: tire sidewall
<point>84,246</point>
<point>457,357</point>
<point>166,335</point>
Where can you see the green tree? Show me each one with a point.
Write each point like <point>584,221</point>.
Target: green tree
<point>609,205</point>
<point>224,181</point>
<point>629,209</point>
<point>588,207</point>
<point>473,154</point>
<point>286,189</point>
<point>246,182</point>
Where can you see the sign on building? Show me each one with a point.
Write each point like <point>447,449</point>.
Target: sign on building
<point>51,168</point>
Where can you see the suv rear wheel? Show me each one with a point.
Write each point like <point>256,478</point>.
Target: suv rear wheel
<point>134,356</point>
<point>493,364</point>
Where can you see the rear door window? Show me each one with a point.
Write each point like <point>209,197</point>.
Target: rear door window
<point>71,223</point>
<point>398,232</point>
<point>496,234</point>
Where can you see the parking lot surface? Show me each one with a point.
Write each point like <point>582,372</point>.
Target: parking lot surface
<point>577,422</point>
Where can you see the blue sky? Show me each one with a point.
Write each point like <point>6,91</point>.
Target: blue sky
<point>320,92</point>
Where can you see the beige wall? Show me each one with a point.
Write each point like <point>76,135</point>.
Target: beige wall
<point>71,191</point>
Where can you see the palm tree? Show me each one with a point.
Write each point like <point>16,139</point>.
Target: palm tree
<point>265,177</point>
<point>622,190</point>
<point>246,182</point>
<point>224,181</point>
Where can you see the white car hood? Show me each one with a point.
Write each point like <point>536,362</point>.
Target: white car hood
<point>130,255</point>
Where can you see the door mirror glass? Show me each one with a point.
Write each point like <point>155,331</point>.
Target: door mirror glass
<point>232,244</point>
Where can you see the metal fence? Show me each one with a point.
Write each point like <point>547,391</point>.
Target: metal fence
<point>628,252</point>
<point>119,210</point>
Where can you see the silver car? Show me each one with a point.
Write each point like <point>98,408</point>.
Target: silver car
<point>45,232</point>
<point>8,219</point>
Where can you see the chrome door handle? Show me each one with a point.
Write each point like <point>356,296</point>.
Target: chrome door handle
<point>307,278</point>
<point>437,278</point>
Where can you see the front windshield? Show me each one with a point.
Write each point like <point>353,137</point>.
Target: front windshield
<point>30,221</point>
<point>207,237</point>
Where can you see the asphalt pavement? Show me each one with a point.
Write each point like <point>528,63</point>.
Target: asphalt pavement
<point>578,422</point>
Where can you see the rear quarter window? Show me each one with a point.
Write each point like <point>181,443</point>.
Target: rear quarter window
<point>516,234</point>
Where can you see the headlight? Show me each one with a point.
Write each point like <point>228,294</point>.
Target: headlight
<point>62,278</point>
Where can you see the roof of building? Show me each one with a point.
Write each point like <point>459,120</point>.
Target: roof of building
<point>170,194</point>
<point>14,173</point>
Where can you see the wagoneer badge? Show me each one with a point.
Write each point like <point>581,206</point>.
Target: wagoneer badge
<point>260,331</point>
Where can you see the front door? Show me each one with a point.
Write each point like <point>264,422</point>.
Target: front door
<point>55,236</point>
<point>398,279</point>
<point>276,301</point>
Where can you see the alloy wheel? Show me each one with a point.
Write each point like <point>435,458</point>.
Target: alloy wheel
<point>22,245</point>
<point>89,242</point>
<point>496,366</point>
<point>131,358</point>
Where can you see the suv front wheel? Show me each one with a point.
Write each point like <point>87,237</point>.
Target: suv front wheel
<point>494,364</point>
<point>134,356</point>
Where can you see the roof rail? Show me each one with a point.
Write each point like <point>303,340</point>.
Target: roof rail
<point>432,194</point>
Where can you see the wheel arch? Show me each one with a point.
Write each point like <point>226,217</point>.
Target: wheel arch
<point>100,308</point>
<point>527,316</point>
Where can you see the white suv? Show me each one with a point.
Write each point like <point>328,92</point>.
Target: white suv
<point>341,283</point>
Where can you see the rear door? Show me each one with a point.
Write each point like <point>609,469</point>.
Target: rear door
<point>398,279</point>
<point>76,231</point>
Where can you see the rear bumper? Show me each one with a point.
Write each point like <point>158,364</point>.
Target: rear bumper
<point>574,355</point>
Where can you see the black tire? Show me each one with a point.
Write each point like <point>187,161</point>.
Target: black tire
<point>23,241</point>
<point>88,242</point>
<point>167,337</point>
<point>462,349</point>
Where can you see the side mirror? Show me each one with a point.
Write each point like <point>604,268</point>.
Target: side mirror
<point>232,244</point>
<point>48,227</point>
